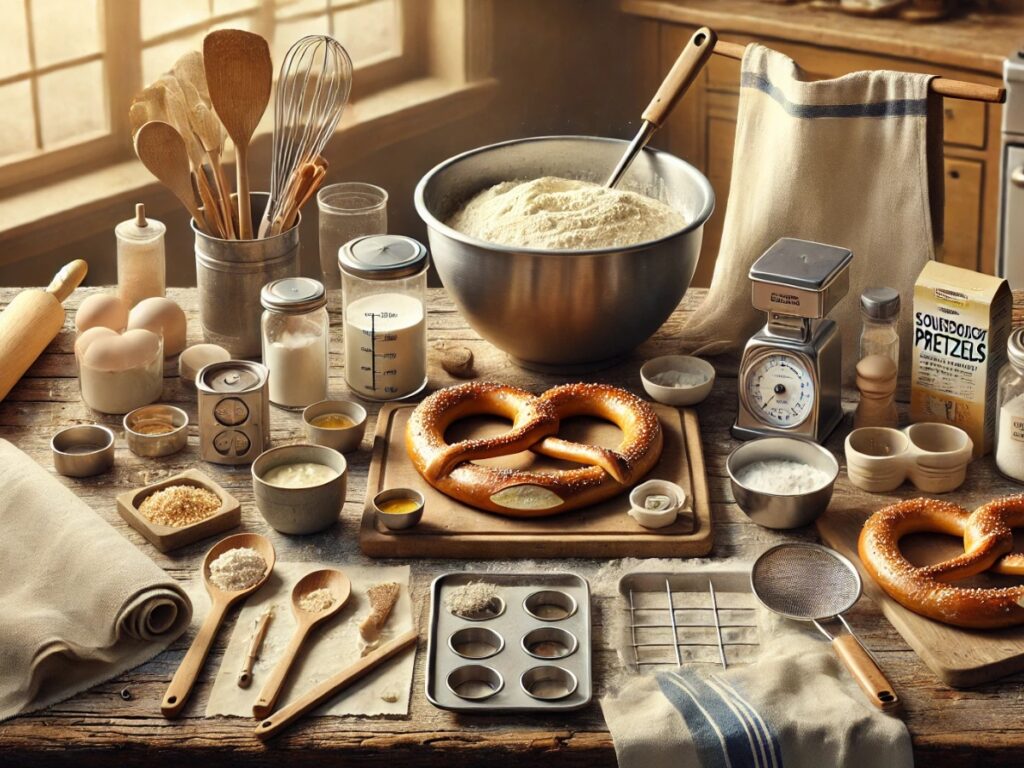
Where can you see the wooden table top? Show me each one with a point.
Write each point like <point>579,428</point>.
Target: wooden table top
<point>949,727</point>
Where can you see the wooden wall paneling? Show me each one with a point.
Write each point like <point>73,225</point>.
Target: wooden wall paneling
<point>962,212</point>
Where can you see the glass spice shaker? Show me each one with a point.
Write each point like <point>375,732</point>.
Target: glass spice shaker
<point>878,365</point>
<point>1009,445</point>
<point>384,288</point>
<point>296,331</point>
<point>880,314</point>
<point>141,269</point>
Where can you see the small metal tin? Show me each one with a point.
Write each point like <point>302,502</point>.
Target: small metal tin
<point>522,658</point>
<point>155,444</point>
<point>234,411</point>
<point>83,451</point>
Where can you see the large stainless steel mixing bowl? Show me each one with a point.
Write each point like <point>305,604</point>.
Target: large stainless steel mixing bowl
<point>558,309</point>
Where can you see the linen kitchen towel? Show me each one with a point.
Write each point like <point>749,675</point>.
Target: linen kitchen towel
<point>855,161</point>
<point>80,604</point>
<point>795,707</point>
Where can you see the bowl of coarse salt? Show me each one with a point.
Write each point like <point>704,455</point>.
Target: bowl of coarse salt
<point>782,482</point>
<point>678,380</point>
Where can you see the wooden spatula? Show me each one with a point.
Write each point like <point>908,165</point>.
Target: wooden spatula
<point>162,150</point>
<point>239,74</point>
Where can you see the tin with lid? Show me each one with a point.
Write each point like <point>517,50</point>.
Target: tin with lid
<point>384,285</point>
<point>234,411</point>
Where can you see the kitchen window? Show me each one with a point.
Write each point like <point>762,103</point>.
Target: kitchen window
<point>68,69</point>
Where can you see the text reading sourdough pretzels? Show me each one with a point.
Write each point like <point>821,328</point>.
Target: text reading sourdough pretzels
<point>535,421</point>
<point>988,543</point>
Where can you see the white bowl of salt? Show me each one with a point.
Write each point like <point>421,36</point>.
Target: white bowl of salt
<point>678,380</point>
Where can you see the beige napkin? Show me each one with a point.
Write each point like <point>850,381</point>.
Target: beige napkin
<point>80,604</point>
<point>329,648</point>
<point>856,162</point>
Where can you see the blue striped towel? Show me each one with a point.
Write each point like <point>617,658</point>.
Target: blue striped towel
<point>794,707</point>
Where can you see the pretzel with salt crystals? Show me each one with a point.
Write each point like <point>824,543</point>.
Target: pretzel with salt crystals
<point>988,544</point>
<point>535,422</point>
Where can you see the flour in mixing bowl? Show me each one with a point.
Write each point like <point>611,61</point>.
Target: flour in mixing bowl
<point>561,214</point>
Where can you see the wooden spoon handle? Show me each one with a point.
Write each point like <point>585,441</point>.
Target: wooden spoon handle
<point>210,209</point>
<point>192,664</point>
<point>866,672</point>
<point>316,696</point>
<point>689,64</point>
<point>264,704</point>
<point>242,175</point>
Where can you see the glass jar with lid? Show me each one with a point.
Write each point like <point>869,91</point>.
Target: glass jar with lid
<point>1009,447</point>
<point>295,330</point>
<point>384,290</point>
<point>880,314</point>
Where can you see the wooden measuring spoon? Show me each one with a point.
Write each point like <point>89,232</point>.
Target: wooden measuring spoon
<point>340,588</point>
<point>239,73</point>
<point>162,150</point>
<point>220,601</point>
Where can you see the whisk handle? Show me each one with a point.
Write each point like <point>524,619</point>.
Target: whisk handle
<point>689,64</point>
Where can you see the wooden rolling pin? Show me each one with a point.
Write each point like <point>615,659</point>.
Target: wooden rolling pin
<point>31,321</point>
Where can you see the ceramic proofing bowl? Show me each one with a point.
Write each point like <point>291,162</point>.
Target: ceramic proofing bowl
<point>300,510</point>
<point>775,510</point>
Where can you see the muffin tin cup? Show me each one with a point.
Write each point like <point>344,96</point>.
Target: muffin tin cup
<point>932,456</point>
<point>530,652</point>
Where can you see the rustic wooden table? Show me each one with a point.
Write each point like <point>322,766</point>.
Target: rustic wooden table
<point>949,727</point>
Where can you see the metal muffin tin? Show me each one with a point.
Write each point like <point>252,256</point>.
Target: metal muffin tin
<point>529,651</point>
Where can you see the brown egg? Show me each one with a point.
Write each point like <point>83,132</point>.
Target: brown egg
<point>101,310</point>
<point>162,316</point>
<point>87,337</point>
<point>119,352</point>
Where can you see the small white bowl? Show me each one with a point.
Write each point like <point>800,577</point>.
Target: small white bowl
<point>677,395</point>
<point>650,518</point>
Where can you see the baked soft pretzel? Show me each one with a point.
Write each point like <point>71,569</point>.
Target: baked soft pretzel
<point>535,421</point>
<point>988,542</point>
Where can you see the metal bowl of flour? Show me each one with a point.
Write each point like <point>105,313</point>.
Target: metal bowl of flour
<point>561,310</point>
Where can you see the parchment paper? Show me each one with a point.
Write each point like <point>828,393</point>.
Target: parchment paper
<point>330,647</point>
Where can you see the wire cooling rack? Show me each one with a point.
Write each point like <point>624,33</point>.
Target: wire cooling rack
<point>700,617</point>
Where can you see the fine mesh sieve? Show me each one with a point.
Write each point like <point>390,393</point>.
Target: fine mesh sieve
<point>805,582</point>
<point>809,582</point>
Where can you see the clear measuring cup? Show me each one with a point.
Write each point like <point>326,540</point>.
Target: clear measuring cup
<point>384,286</point>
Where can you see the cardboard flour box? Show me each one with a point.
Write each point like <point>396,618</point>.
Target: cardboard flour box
<point>961,324</point>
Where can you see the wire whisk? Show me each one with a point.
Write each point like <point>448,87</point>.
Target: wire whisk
<point>312,91</point>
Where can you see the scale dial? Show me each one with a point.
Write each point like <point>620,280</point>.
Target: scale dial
<point>779,390</point>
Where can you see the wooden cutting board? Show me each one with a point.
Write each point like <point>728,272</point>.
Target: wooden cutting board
<point>452,529</point>
<point>960,657</point>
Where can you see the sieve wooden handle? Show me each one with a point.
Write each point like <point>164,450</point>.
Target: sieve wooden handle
<point>866,672</point>
<point>678,80</point>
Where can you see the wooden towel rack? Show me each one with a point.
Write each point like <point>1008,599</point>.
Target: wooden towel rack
<point>956,89</point>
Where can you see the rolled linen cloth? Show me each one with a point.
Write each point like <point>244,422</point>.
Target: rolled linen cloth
<point>80,603</point>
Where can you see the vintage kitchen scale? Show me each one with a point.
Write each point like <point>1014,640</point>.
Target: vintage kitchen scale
<point>790,375</point>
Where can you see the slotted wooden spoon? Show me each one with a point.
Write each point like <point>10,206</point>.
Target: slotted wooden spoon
<point>162,150</point>
<point>220,601</point>
<point>239,74</point>
<point>340,588</point>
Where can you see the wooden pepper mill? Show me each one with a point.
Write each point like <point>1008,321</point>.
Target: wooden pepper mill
<point>876,380</point>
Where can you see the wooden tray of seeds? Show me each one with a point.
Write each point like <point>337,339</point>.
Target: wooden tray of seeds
<point>454,530</point>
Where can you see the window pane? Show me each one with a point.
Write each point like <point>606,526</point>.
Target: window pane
<point>232,6</point>
<point>13,38</point>
<point>286,33</point>
<point>369,31</point>
<point>159,16</point>
<point>72,103</point>
<point>17,126</point>
<point>288,8</point>
<point>64,30</point>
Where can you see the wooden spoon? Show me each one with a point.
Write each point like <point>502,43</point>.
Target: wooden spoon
<point>340,588</point>
<point>162,150</point>
<point>239,73</point>
<point>220,601</point>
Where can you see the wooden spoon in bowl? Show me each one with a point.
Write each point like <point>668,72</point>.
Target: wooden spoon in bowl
<point>239,74</point>
<point>338,585</point>
<point>220,601</point>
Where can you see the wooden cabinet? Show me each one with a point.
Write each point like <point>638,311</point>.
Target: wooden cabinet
<point>703,128</point>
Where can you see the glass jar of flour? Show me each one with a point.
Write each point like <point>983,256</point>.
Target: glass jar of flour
<point>295,331</point>
<point>384,287</point>
<point>1010,407</point>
